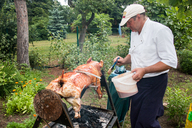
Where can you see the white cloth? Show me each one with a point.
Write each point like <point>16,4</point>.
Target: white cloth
<point>155,43</point>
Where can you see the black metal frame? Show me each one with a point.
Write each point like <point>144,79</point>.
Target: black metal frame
<point>66,120</point>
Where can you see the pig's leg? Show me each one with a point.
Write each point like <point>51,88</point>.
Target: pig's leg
<point>76,104</point>
<point>99,89</point>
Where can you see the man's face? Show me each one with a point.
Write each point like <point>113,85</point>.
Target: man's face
<point>132,24</point>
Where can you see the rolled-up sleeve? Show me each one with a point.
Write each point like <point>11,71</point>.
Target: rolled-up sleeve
<point>165,47</point>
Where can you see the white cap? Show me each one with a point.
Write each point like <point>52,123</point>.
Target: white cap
<point>131,11</point>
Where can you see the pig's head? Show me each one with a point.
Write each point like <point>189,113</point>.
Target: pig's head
<point>96,64</point>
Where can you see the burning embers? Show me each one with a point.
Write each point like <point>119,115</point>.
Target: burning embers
<point>91,117</point>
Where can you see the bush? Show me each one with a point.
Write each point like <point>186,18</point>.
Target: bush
<point>186,61</point>
<point>8,31</point>
<point>36,59</point>
<point>97,47</point>
<point>123,50</point>
<point>177,104</point>
<point>8,76</point>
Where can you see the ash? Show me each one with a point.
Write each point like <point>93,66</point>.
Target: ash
<point>90,118</point>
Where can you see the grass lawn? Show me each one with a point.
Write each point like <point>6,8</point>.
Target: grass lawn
<point>43,46</point>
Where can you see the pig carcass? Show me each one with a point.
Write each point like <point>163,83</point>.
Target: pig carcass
<point>71,84</point>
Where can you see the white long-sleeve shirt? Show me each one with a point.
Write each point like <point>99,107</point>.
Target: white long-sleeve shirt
<point>155,43</point>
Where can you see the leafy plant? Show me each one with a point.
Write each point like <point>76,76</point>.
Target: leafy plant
<point>123,50</point>
<point>186,61</point>
<point>94,25</point>
<point>178,102</point>
<point>181,28</point>
<point>8,76</point>
<point>8,31</point>
<point>96,47</point>
<point>21,99</point>
<point>36,59</point>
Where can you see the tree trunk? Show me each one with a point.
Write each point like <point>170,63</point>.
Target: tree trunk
<point>85,24</point>
<point>82,37</point>
<point>22,32</point>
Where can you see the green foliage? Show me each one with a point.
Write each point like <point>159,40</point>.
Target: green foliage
<point>21,99</point>
<point>8,76</point>
<point>115,12</point>
<point>38,30</point>
<point>38,19</point>
<point>155,11</point>
<point>69,15</point>
<point>93,27</point>
<point>57,22</point>
<point>87,6</point>
<point>186,61</point>
<point>27,123</point>
<point>58,49</point>
<point>96,46</point>
<point>181,28</point>
<point>8,38</point>
<point>123,50</point>
<point>36,59</point>
<point>184,7</point>
<point>178,102</point>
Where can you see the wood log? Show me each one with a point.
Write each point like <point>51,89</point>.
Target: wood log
<point>48,105</point>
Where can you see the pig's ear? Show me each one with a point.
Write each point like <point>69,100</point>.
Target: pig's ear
<point>89,60</point>
<point>101,63</point>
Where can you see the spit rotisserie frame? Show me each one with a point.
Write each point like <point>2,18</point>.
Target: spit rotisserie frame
<point>66,120</point>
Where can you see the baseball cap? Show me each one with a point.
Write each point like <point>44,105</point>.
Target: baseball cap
<point>131,11</point>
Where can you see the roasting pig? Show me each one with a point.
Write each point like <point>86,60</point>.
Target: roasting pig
<point>71,84</point>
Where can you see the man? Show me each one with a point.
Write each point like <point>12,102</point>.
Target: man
<point>151,54</point>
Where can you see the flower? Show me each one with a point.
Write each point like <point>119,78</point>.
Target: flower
<point>34,115</point>
<point>29,81</point>
<point>20,93</point>
<point>24,85</point>
<point>14,90</point>
<point>21,81</point>
<point>40,79</point>
<point>36,84</point>
<point>15,93</point>
<point>34,78</point>
<point>16,82</point>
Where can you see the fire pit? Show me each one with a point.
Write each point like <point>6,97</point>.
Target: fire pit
<point>62,117</point>
<point>92,117</point>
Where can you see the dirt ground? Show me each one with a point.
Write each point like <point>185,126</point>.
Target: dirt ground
<point>56,72</point>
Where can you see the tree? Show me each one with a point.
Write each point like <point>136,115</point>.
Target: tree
<point>22,32</point>
<point>69,15</point>
<point>38,12</point>
<point>84,7</point>
<point>96,23</point>
<point>116,11</point>
<point>56,22</point>
<point>183,7</point>
<point>8,31</point>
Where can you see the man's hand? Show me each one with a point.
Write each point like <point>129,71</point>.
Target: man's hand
<point>139,73</point>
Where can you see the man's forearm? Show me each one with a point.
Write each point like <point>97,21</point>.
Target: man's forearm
<point>158,67</point>
<point>127,59</point>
